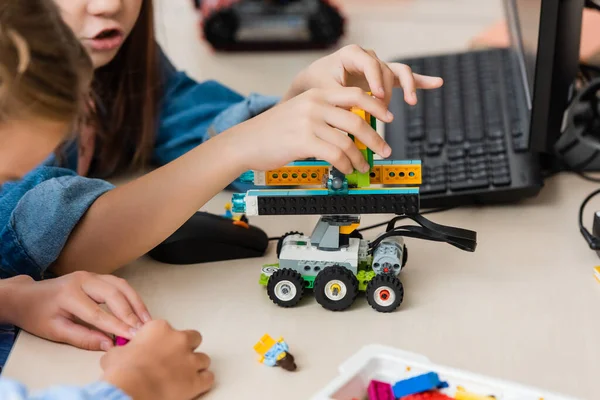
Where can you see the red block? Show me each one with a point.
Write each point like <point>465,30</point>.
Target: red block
<point>430,395</point>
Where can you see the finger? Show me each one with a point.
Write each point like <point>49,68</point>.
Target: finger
<point>389,82</point>
<point>353,124</point>
<point>358,61</point>
<point>109,294</point>
<point>324,150</point>
<point>200,361</point>
<point>347,145</point>
<point>428,82</point>
<point>205,380</point>
<point>82,337</point>
<point>406,80</point>
<point>84,308</point>
<point>194,338</point>
<point>355,97</point>
<point>132,296</point>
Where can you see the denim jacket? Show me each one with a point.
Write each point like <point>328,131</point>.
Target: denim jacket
<point>11,390</point>
<point>38,213</point>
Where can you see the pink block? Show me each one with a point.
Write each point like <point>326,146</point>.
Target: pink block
<point>121,341</point>
<point>380,391</point>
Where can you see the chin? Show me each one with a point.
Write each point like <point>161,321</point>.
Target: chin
<point>100,59</point>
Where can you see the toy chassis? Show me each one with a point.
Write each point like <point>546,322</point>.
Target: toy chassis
<point>335,261</point>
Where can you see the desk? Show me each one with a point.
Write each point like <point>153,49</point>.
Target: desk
<point>523,307</point>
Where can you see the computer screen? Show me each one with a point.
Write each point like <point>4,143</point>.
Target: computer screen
<point>546,37</point>
<point>527,18</point>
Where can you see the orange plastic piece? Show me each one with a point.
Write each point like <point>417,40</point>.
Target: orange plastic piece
<point>296,175</point>
<point>242,224</point>
<point>396,174</point>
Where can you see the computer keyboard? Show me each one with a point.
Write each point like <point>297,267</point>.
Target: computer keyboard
<point>471,134</point>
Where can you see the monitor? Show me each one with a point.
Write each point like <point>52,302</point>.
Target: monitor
<point>546,36</point>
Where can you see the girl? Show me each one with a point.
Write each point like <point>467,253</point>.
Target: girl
<point>44,75</point>
<point>145,112</point>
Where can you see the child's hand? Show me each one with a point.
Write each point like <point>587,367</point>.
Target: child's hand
<point>305,127</point>
<point>159,363</point>
<point>53,308</point>
<point>353,66</point>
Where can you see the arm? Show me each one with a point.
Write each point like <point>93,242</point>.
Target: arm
<point>10,389</point>
<point>126,221</point>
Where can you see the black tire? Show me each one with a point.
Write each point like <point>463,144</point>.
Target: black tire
<point>385,293</point>
<point>281,239</point>
<point>278,282</point>
<point>327,25</point>
<point>346,277</point>
<point>404,256</point>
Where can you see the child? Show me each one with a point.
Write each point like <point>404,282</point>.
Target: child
<point>148,113</point>
<point>44,74</point>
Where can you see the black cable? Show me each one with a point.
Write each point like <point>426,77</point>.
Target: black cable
<point>590,239</point>
<point>399,217</point>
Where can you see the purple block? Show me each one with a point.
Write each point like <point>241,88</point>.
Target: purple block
<point>121,341</point>
<point>380,391</point>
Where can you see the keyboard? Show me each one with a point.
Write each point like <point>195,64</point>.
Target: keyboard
<point>472,135</point>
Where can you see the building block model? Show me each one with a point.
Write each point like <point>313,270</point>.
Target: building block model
<point>275,353</point>
<point>335,261</point>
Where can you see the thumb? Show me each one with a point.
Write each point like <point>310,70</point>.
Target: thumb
<point>82,337</point>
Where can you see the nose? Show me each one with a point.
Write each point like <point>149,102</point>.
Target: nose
<point>104,7</point>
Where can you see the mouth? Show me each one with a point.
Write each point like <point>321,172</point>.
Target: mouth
<point>108,39</point>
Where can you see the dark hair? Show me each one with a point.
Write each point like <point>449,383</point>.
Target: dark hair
<point>44,70</point>
<point>128,91</point>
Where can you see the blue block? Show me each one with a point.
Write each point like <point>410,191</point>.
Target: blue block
<point>418,384</point>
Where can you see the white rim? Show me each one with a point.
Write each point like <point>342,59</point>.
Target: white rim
<point>384,296</point>
<point>268,270</point>
<point>335,290</point>
<point>285,290</point>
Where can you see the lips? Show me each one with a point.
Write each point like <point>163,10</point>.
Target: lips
<point>107,39</point>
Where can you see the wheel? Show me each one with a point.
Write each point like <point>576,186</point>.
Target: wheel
<point>285,287</point>
<point>404,256</point>
<point>385,293</point>
<point>336,288</point>
<point>281,239</point>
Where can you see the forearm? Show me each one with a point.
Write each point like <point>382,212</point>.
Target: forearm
<point>130,220</point>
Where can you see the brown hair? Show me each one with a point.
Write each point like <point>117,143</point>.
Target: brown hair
<point>44,71</point>
<point>128,90</point>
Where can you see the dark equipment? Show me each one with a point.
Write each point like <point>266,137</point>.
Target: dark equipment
<point>270,25</point>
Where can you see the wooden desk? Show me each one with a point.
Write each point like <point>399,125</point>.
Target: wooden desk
<point>523,307</point>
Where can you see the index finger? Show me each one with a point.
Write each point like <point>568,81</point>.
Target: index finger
<point>84,308</point>
<point>359,61</point>
<point>132,296</point>
<point>354,97</point>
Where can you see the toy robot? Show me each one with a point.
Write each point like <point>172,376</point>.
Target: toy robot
<point>335,261</point>
<point>248,25</point>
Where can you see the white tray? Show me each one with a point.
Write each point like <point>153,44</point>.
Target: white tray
<point>386,364</point>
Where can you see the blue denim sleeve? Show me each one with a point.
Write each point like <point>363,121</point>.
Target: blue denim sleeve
<point>37,215</point>
<point>193,112</point>
<point>9,389</point>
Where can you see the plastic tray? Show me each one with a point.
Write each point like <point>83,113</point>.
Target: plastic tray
<point>386,364</point>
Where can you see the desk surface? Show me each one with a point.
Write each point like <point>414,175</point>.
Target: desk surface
<point>523,307</point>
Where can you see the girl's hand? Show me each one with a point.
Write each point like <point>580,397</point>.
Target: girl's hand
<point>159,363</point>
<point>54,309</point>
<point>353,66</point>
<point>313,124</point>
